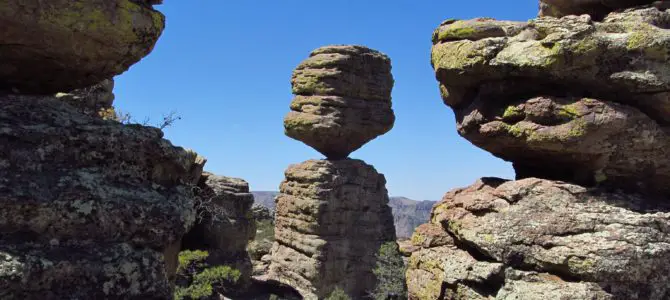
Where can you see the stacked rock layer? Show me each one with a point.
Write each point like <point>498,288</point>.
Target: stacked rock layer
<point>331,217</point>
<point>580,106</point>
<point>91,208</point>
<point>343,99</point>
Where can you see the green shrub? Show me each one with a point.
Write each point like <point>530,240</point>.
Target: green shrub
<point>197,280</point>
<point>390,273</point>
<point>338,294</point>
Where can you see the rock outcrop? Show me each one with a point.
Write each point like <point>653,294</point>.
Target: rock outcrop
<point>89,205</point>
<point>542,239</point>
<point>329,216</point>
<point>224,224</point>
<point>595,8</point>
<point>569,99</point>
<point>91,208</point>
<point>61,45</point>
<point>579,105</point>
<point>343,99</point>
<point>332,216</point>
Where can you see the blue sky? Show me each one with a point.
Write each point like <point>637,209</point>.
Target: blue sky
<point>225,66</point>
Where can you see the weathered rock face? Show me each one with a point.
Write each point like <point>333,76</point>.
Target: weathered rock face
<point>61,45</point>
<point>569,99</point>
<point>89,205</point>
<point>343,99</point>
<point>95,101</point>
<point>595,8</point>
<point>330,218</point>
<point>541,239</point>
<point>224,224</point>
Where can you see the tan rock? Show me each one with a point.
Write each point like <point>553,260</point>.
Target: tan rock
<point>330,218</point>
<point>343,99</point>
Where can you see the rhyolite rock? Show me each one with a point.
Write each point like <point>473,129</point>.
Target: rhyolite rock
<point>541,239</point>
<point>595,8</point>
<point>331,219</point>
<point>569,98</point>
<point>61,45</point>
<point>343,99</point>
<point>90,207</point>
<point>224,224</point>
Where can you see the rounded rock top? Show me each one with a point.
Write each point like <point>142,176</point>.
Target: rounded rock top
<point>343,99</point>
<point>61,45</point>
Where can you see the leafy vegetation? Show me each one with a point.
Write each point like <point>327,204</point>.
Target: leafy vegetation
<point>197,280</point>
<point>390,272</point>
<point>338,294</point>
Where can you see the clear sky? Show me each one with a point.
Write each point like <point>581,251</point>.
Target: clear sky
<point>224,66</point>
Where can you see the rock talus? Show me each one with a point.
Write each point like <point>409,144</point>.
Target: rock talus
<point>331,217</point>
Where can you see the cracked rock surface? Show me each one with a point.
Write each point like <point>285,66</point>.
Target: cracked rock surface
<point>541,239</point>
<point>331,219</point>
<point>90,207</point>
<point>570,99</point>
<point>343,99</point>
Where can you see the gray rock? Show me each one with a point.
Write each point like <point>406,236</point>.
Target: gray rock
<point>89,206</point>
<point>588,243</point>
<point>224,224</point>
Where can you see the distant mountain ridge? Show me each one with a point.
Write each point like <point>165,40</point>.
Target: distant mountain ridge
<point>407,213</point>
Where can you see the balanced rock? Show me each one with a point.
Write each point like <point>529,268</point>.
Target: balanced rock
<point>89,207</point>
<point>331,219</point>
<point>343,99</point>
<point>61,45</point>
<point>224,224</point>
<point>541,239</point>
<point>595,8</point>
<point>569,99</point>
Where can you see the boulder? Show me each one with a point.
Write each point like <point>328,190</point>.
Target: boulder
<point>569,99</point>
<point>541,239</point>
<point>331,219</point>
<point>61,45</point>
<point>343,99</point>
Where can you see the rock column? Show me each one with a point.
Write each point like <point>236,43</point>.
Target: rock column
<point>579,105</point>
<point>332,215</point>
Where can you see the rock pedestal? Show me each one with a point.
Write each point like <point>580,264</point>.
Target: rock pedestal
<point>331,217</point>
<point>579,105</point>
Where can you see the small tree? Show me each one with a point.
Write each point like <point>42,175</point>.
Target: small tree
<point>390,273</point>
<point>197,280</point>
<point>338,294</point>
